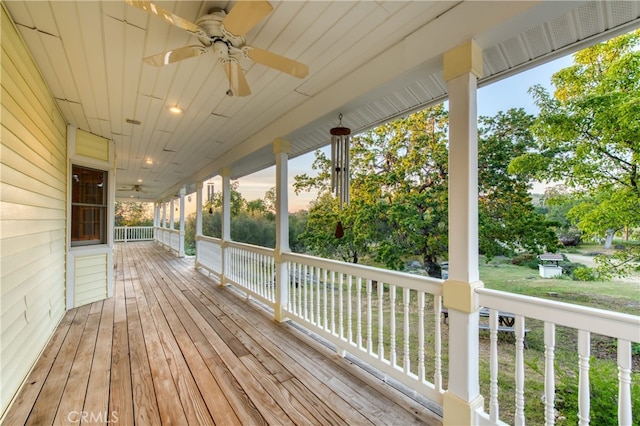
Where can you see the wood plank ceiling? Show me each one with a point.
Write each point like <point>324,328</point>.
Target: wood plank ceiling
<point>369,60</point>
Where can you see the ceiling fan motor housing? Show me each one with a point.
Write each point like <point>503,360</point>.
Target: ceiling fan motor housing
<point>212,25</point>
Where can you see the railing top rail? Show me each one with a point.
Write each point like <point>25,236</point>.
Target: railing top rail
<point>209,239</point>
<point>402,279</point>
<point>250,247</point>
<point>607,323</point>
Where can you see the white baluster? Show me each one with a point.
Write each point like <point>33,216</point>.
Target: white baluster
<point>494,407</point>
<point>369,320</point>
<point>349,313</point>
<point>359,312</point>
<point>421,369</point>
<point>298,280</point>
<point>305,289</point>
<point>380,321</point>
<point>549,373</point>
<point>519,414</point>
<point>624,382</point>
<point>407,333</point>
<point>341,306</point>
<point>325,315</point>
<point>333,304</point>
<point>392,328</point>
<point>311,291</point>
<point>437,312</point>
<point>584,397</point>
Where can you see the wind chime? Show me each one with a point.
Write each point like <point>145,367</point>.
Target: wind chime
<point>340,175</point>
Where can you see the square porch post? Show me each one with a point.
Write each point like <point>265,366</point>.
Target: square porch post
<point>281,149</point>
<point>172,218</point>
<point>226,222</point>
<point>181,238</point>
<point>462,66</point>
<point>199,186</point>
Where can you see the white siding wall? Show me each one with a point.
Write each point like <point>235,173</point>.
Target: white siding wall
<point>32,213</point>
<point>90,278</point>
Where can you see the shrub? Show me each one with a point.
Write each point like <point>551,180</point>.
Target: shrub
<point>603,378</point>
<point>526,259</point>
<point>583,273</point>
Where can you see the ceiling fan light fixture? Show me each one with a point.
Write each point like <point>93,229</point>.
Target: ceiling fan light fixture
<point>175,109</point>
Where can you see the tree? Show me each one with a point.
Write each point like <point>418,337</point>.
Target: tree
<point>399,194</point>
<point>132,214</point>
<point>508,220</point>
<point>588,136</point>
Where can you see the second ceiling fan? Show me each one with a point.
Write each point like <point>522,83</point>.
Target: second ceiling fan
<point>223,34</point>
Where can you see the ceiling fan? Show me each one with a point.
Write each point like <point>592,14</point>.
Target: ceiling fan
<point>223,33</point>
<point>132,188</point>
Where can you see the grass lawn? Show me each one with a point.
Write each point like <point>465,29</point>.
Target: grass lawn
<point>619,296</point>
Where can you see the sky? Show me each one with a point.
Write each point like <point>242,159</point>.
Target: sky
<point>511,92</point>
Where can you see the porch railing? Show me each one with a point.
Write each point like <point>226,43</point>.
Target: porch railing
<point>575,320</point>
<point>393,321</point>
<point>388,319</point>
<point>133,233</point>
<point>169,238</point>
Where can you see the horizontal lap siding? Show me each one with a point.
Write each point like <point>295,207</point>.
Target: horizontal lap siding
<point>33,212</point>
<point>90,278</point>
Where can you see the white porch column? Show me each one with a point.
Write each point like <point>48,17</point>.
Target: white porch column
<point>199,186</point>
<point>181,239</point>
<point>225,221</point>
<point>281,149</point>
<point>164,214</point>
<point>462,67</point>
<point>198,219</point>
<point>172,207</point>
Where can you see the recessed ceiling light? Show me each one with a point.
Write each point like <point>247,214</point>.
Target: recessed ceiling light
<point>139,180</point>
<point>148,161</point>
<point>175,109</point>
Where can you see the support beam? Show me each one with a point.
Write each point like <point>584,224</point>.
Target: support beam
<point>462,67</point>
<point>281,149</point>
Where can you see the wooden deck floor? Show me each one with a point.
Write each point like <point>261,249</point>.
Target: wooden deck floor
<point>172,347</point>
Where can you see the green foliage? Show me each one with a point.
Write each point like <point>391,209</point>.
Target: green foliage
<point>252,222</point>
<point>399,193</point>
<point>133,214</point>
<point>588,136</point>
<point>526,259</point>
<point>584,273</point>
<point>603,376</point>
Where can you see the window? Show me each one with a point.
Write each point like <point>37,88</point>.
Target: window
<point>88,206</point>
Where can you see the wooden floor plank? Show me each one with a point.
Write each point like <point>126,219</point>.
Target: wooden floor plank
<point>120,389</point>
<point>26,399</point>
<point>213,396</point>
<point>97,400</point>
<point>75,390</point>
<point>173,347</point>
<point>169,405</point>
<point>46,406</point>
<point>145,404</point>
<point>193,404</point>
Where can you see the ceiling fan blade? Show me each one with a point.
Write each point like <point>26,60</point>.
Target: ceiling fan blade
<point>237,80</point>
<point>168,16</point>
<point>171,56</point>
<point>246,15</point>
<point>275,61</point>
